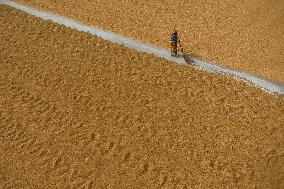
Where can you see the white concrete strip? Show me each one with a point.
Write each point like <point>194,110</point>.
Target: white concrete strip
<point>263,83</point>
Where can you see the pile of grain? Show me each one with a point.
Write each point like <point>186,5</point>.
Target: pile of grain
<point>247,34</point>
<point>77,111</point>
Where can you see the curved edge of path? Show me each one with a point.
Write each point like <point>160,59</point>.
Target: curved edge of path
<point>265,84</point>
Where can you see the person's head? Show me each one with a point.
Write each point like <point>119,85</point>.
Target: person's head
<point>174,31</point>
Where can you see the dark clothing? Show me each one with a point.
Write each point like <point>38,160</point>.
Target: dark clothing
<point>174,38</point>
<point>174,41</point>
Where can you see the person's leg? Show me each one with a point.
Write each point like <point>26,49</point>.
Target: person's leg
<point>175,48</point>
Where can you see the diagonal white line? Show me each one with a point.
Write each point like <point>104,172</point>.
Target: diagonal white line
<point>265,84</point>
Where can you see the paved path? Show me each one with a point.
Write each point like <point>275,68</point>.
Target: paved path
<point>266,85</point>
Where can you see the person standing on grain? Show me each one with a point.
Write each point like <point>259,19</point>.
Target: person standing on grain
<point>174,41</point>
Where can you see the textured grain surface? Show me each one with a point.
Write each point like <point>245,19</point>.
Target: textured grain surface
<point>247,34</point>
<point>79,112</point>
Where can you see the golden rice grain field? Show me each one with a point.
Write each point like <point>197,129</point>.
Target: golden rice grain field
<point>80,112</point>
<point>246,35</point>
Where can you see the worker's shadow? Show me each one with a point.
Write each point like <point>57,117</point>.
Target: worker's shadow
<point>178,56</point>
<point>190,58</point>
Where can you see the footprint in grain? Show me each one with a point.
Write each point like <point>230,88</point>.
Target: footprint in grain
<point>9,130</point>
<point>77,180</point>
<point>44,109</point>
<point>107,147</point>
<point>145,168</point>
<point>30,142</point>
<point>92,137</point>
<point>57,161</point>
<point>37,76</point>
<point>163,179</point>
<point>73,174</point>
<point>81,184</point>
<point>23,141</point>
<point>126,157</point>
<point>87,184</point>
<point>34,149</point>
<point>25,97</point>
<point>85,100</point>
<point>20,91</point>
